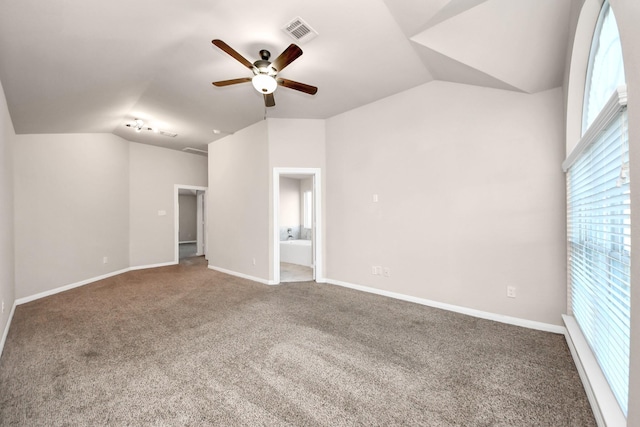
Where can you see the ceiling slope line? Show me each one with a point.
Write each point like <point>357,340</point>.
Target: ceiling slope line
<point>463,73</point>
<point>452,9</point>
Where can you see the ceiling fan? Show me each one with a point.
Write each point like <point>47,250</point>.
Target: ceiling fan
<point>265,74</point>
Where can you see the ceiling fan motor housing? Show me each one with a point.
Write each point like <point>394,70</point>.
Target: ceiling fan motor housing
<point>263,66</point>
<point>265,54</point>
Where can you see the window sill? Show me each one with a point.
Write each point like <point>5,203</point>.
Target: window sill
<point>605,407</point>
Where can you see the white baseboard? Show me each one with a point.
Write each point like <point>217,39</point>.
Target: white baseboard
<point>605,407</point>
<point>144,267</point>
<point>547,327</point>
<point>50,292</point>
<point>242,275</point>
<point>5,333</point>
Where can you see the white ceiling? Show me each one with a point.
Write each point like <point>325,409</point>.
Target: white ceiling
<point>76,66</point>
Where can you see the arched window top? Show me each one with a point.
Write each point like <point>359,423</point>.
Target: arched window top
<point>606,67</point>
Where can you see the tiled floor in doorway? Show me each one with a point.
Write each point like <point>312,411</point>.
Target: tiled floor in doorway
<point>187,250</point>
<point>295,273</point>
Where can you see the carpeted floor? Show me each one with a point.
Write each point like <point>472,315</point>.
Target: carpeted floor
<point>185,345</point>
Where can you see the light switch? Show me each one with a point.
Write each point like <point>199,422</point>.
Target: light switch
<point>162,213</point>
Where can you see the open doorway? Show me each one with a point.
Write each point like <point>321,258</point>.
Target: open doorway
<point>296,225</point>
<point>190,226</point>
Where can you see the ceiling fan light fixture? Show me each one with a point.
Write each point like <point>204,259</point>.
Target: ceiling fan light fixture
<point>264,83</point>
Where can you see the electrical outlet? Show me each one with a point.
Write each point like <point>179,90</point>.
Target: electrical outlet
<point>374,270</point>
<point>511,291</point>
<point>387,272</point>
<point>105,260</point>
<point>253,261</point>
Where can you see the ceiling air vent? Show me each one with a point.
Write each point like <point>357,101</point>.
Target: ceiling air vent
<point>167,133</point>
<point>299,30</point>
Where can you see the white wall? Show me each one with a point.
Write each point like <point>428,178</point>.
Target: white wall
<point>82,197</point>
<point>7,276</point>
<point>289,202</point>
<point>71,209</point>
<point>297,143</point>
<point>238,202</point>
<point>188,213</point>
<point>153,173</point>
<point>240,213</point>
<point>471,198</point>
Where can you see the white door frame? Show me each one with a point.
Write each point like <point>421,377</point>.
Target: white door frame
<point>200,222</point>
<point>317,242</point>
<point>201,227</point>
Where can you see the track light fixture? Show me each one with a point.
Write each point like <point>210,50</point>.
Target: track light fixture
<point>138,125</point>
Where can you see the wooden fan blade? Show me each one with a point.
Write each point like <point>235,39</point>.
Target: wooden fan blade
<point>229,50</point>
<point>311,90</point>
<point>289,55</point>
<point>232,81</point>
<point>269,100</point>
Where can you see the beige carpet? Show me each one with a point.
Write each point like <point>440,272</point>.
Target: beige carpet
<point>185,345</point>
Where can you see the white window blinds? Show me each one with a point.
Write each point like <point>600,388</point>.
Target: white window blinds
<point>599,251</point>
<point>599,211</point>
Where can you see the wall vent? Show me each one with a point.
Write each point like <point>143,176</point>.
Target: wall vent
<point>167,133</point>
<point>299,30</point>
<point>195,151</point>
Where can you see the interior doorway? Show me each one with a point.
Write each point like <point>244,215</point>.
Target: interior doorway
<point>297,236</point>
<point>190,222</point>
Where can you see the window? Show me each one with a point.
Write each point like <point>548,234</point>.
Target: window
<point>606,69</point>
<point>307,219</point>
<point>598,213</point>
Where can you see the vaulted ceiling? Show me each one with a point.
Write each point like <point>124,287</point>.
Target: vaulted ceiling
<point>77,66</point>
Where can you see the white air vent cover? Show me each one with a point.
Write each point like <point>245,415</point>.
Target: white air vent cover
<point>299,30</point>
<point>167,133</point>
